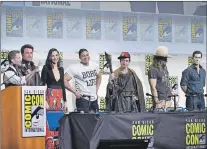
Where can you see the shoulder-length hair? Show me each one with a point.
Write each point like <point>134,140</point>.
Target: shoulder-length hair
<point>160,63</point>
<point>48,61</point>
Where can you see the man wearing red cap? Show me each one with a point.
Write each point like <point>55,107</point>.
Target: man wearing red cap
<point>125,90</point>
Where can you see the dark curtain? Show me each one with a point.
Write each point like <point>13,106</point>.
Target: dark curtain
<point>201,11</point>
<point>170,7</point>
<point>149,7</point>
<point>163,7</point>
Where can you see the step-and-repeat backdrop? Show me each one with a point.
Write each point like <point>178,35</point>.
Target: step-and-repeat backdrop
<point>68,30</point>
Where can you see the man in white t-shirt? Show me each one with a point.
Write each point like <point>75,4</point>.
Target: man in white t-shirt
<point>87,82</point>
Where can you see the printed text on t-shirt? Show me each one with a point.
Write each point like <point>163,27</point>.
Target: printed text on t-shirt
<point>90,74</point>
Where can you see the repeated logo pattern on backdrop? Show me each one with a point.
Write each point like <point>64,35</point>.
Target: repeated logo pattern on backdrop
<point>34,23</point>
<point>103,25</point>
<point>14,22</point>
<point>147,27</point>
<point>103,64</point>
<point>148,62</point>
<point>55,24</point>
<point>181,29</point>
<point>129,27</point>
<point>165,28</point>
<point>197,30</point>
<point>111,26</point>
<point>74,29</point>
<point>93,25</point>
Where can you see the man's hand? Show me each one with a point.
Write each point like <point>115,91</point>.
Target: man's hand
<point>28,71</point>
<point>156,100</point>
<point>37,69</point>
<point>77,95</point>
<point>65,107</point>
<point>112,77</point>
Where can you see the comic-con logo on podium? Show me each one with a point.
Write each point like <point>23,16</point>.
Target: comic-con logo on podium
<point>104,63</point>
<point>33,111</point>
<point>148,62</point>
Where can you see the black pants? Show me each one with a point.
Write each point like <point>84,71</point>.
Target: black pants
<point>86,105</point>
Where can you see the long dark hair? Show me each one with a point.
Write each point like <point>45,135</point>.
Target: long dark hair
<point>160,63</point>
<point>48,61</point>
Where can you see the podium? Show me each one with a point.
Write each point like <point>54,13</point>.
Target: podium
<point>11,122</point>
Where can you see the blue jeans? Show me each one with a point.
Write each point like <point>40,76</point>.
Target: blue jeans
<point>195,103</point>
<point>86,105</point>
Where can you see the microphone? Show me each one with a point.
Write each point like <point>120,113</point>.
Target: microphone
<point>174,86</point>
<point>147,94</point>
<point>173,96</point>
<point>23,68</point>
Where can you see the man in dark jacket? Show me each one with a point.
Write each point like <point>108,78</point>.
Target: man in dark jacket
<point>28,65</point>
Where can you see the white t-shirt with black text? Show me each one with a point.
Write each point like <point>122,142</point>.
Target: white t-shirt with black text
<point>85,78</point>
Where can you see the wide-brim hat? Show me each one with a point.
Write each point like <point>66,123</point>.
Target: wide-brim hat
<point>124,55</point>
<point>162,51</point>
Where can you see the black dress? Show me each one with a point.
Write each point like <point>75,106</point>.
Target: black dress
<point>55,96</point>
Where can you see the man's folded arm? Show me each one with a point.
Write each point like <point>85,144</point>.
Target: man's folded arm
<point>14,79</point>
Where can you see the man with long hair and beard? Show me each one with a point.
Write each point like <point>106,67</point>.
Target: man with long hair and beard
<point>158,77</point>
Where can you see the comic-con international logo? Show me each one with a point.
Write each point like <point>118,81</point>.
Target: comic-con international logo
<point>195,130</point>
<point>61,59</point>
<point>102,104</point>
<point>144,130</point>
<point>190,61</point>
<point>104,60</point>
<point>14,22</point>
<point>173,84</point>
<point>148,104</point>
<point>4,55</point>
<point>34,111</point>
<point>148,62</point>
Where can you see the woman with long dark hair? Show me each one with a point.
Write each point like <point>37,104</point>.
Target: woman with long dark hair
<point>53,76</point>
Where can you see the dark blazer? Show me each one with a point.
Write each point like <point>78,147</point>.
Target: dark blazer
<point>48,78</point>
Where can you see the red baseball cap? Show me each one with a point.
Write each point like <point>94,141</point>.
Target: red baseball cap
<point>124,55</point>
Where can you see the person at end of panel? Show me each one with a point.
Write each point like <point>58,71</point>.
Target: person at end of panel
<point>193,83</point>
